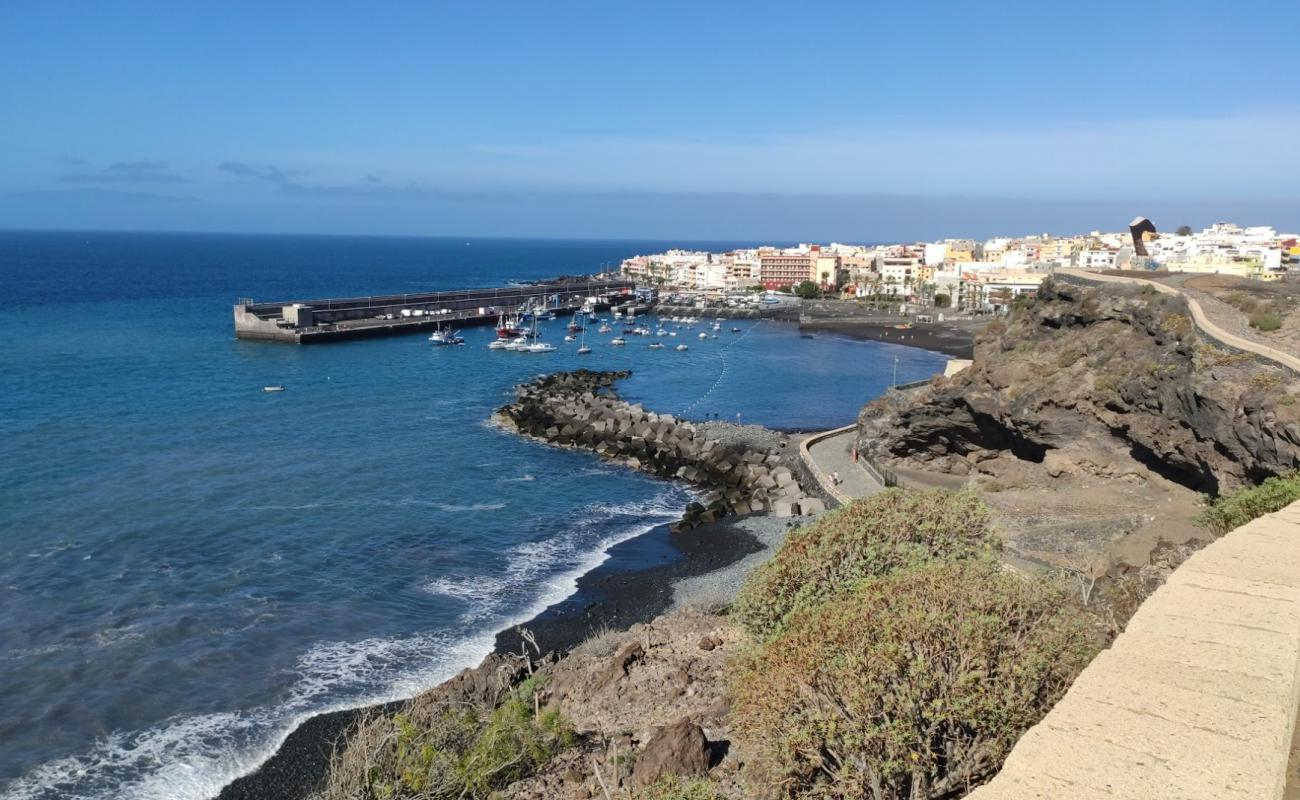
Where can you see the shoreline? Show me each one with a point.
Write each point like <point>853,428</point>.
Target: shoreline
<point>952,340</point>
<point>639,579</point>
<point>642,577</point>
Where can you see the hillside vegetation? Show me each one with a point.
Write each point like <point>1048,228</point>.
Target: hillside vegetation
<point>896,661</point>
<point>881,653</point>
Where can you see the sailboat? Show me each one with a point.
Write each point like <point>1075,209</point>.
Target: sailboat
<point>583,349</point>
<point>535,344</point>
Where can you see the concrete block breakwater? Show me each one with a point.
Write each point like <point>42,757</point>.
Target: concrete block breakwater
<point>581,409</point>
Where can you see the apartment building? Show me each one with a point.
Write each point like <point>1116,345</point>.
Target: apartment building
<point>778,268</point>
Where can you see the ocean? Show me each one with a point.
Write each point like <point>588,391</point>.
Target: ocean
<point>189,567</point>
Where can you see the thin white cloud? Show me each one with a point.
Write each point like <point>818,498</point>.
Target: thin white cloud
<point>1243,155</point>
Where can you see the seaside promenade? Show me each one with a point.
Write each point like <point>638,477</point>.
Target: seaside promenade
<point>828,455</point>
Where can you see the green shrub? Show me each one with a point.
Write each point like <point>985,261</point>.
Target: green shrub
<point>1265,321</point>
<point>1233,510</point>
<point>676,788</point>
<point>913,685</point>
<point>448,751</point>
<point>868,537</point>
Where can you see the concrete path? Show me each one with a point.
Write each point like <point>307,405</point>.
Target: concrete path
<point>830,451</point>
<point>1198,317</point>
<point>834,455</point>
<point>1196,699</point>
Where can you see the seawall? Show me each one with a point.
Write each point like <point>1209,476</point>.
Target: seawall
<point>580,409</point>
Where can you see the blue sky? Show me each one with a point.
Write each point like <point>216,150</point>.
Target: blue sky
<point>698,120</point>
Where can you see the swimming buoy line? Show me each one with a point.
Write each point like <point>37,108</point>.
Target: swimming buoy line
<point>722,355</point>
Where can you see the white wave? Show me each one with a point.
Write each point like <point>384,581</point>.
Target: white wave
<point>470,506</point>
<point>527,476</point>
<point>192,758</point>
<point>541,573</point>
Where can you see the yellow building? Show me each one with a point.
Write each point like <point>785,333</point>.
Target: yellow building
<point>1239,266</point>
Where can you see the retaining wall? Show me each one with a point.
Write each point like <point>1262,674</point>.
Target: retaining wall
<point>1196,699</point>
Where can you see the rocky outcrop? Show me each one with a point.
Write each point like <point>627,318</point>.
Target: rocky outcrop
<point>581,409</point>
<point>678,749</point>
<point>1105,381</point>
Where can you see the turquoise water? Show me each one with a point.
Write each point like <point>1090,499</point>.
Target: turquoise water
<point>190,566</point>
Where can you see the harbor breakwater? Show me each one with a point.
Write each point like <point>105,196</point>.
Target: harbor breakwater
<point>582,409</point>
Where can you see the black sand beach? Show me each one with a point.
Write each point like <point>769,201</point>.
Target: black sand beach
<point>956,339</point>
<point>634,585</point>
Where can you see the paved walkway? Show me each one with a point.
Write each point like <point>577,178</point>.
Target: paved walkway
<point>1199,317</point>
<point>834,454</point>
<point>1196,699</point>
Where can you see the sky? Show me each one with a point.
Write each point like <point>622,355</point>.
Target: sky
<point>859,121</point>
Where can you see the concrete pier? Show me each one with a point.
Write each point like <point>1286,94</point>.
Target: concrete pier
<point>312,321</point>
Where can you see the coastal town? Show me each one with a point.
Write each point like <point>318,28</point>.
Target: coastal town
<point>967,275</point>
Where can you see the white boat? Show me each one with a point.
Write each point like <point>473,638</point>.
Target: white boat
<point>657,346</point>
<point>704,336</point>
<point>540,347</point>
<point>570,338</point>
<point>499,344</point>
<point>583,349</point>
<point>717,326</point>
<point>276,388</point>
<point>618,340</point>
<point>604,329</point>
<point>446,336</point>
<point>516,345</point>
<point>682,347</point>
<point>672,333</point>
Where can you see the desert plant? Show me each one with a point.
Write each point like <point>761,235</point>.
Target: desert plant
<point>1235,509</point>
<point>868,537</point>
<point>678,788</point>
<point>448,751</point>
<point>913,686</point>
<point>1265,321</point>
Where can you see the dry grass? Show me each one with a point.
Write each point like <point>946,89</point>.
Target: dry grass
<point>447,751</point>
<point>866,538</point>
<point>913,685</point>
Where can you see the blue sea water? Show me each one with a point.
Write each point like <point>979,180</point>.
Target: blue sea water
<point>189,566</point>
